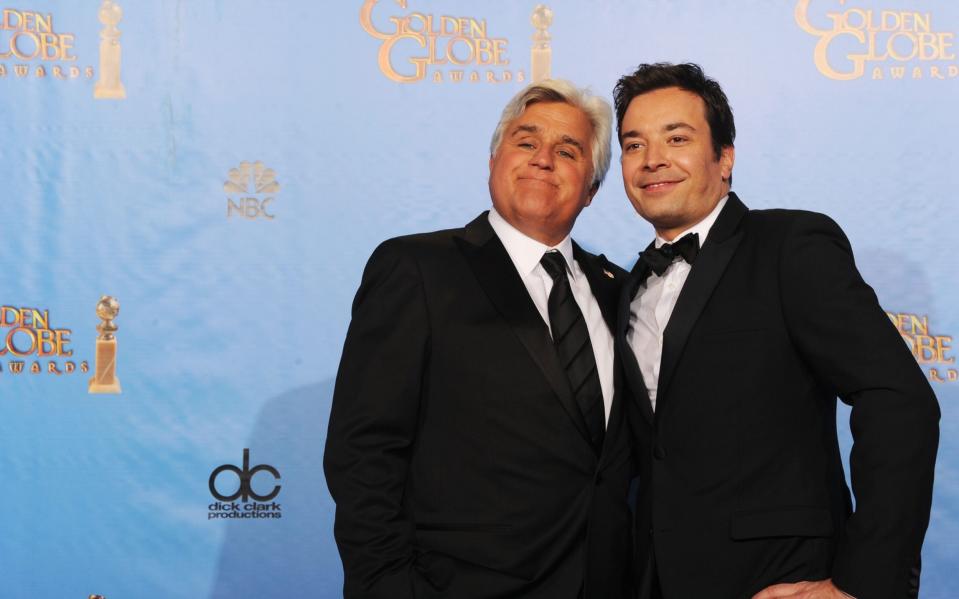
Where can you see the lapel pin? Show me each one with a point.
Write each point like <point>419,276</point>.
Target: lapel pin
<point>608,274</point>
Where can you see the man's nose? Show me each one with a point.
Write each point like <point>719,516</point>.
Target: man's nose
<point>542,158</point>
<point>656,158</point>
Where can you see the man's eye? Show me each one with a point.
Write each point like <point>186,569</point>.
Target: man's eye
<point>633,146</point>
<point>677,139</point>
<point>566,154</point>
<point>525,144</point>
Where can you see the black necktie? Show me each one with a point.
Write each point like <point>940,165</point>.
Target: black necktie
<point>571,338</point>
<point>659,259</point>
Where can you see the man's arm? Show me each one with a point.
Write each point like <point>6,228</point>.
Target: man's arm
<point>373,425</point>
<point>843,334</point>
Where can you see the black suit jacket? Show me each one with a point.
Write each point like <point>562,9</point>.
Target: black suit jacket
<point>457,457</point>
<point>742,485</point>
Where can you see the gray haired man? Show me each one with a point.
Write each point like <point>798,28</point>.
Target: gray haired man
<point>477,446</point>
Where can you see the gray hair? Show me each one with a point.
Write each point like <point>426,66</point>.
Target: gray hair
<point>596,109</point>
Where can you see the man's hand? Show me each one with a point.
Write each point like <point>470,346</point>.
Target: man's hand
<point>820,589</point>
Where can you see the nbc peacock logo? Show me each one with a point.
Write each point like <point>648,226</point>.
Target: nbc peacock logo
<point>252,189</point>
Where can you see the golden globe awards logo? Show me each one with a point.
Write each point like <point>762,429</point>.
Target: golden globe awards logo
<point>252,187</point>
<point>32,48</point>
<point>109,86</point>
<point>415,46</point>
<point>31,345</point>
<point>931,350</point>
<point>104,379</point>
<point>885,43</point>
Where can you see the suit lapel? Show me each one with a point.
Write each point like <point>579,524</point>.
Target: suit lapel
<point>605,286</point>
<point>717,250</point>
<point>497,276</point>
<point>634,375</point>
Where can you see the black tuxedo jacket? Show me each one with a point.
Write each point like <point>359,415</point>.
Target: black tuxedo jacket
<point>458,459</point>
<point>741,482</point>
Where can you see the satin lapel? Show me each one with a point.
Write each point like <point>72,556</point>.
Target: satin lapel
<point>614,426</point>
<point>634,376</point>
<point>605,289</point>
<point>717,250</point>
<point>497,276</point>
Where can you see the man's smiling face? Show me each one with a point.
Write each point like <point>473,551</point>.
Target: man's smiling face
<point>670,169</point>
<point>541,174</point>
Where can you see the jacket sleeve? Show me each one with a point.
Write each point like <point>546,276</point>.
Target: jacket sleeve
<point>373,425</point>
<point>854,350</point>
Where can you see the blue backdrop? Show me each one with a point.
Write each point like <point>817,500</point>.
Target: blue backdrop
<point>262,149</point>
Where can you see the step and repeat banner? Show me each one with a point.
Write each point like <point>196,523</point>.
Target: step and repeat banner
<point>191,190</point>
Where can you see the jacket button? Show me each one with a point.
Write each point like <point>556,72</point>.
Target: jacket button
<point>659,452</point>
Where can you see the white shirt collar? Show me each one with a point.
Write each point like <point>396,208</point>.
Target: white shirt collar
<point>525,251</point>
<point>701,228</point>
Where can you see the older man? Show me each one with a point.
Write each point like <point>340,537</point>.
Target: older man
<point>739,328</point>
<point>476,444</point>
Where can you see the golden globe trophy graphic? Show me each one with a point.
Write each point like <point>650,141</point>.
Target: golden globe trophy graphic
<point>542,54</point>
<point>109,86</point>
<point>105,372</point>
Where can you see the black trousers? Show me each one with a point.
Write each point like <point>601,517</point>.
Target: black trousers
<point>649,586</point>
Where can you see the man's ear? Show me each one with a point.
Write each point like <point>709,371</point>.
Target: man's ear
<point>726,159</point>
<point>592,193</point>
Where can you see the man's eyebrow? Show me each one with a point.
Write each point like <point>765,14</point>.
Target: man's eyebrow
<point>668,127</point>
<point>524,129</point>
<point>573,142</point>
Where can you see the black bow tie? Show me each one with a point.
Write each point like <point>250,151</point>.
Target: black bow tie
<point>659,259</point>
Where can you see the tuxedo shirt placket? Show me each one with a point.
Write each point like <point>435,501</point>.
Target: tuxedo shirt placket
<point>651,308</point>
<point>653,305</point>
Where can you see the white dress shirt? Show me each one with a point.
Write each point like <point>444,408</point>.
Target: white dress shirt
<point>653,305</point>
<point>526,253</point>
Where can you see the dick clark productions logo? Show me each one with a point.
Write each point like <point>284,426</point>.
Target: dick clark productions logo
<point>227,506</point>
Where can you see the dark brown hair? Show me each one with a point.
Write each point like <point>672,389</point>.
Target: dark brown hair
<point>689,77</point>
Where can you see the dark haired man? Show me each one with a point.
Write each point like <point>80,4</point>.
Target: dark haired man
<point>738,330</point>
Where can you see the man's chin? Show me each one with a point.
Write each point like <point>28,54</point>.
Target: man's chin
<point>659,215</point>
<point>536,209</point>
